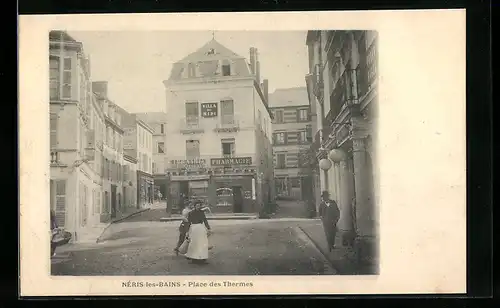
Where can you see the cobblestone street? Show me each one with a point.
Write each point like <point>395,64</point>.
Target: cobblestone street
<point>258,247</point>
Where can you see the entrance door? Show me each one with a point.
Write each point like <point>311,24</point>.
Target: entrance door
<point>113,201</point>
<point>237,199</point>
<point>183,193</point>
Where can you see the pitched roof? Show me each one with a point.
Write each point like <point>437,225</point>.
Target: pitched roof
<point>152,117</point>
<point>206,56</point>
<point>55,35</point>
<point>212,50</point>
<point>289,97</point>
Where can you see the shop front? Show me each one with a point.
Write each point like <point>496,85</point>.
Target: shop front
<point>145,189</point>
<point>226,185</point>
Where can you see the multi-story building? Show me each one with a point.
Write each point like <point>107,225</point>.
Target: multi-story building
<point>130,200</point>
<point>138,144</point>
<point>158,121</point>
<point>343,80</point>
<point>77,126</point>
<point>112,167</point>
<point>219,122</point>
<point>291,141</point>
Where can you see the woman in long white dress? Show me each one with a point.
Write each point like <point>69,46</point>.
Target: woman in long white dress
<point>198,234</point>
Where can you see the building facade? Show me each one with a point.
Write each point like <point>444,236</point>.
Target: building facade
<point>130,200</point>
<point>343,80</point>
<point>219,121</point>
<point>291,141</point>
<point>77,126</point>
<point>158,121</point>
<point>113,163</point>
<point>139,145</point>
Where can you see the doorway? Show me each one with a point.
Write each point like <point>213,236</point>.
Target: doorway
<point>237,199</point>
<point>113,201</point>
<point>183,193</point>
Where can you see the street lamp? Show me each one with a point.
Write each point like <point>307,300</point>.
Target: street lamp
<point>325,164</point>
<point>337,155</point>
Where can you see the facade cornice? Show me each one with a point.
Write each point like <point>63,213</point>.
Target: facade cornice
<point>145,126</point>
<point>130,159</point>
<point>112,123</point>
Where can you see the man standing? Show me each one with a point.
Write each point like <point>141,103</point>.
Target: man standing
<point>330,214</point>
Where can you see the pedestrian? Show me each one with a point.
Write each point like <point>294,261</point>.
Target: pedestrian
<point>198,234</point>
<point>330,214</point>
<point>184,227</point>
<point>53,231</point>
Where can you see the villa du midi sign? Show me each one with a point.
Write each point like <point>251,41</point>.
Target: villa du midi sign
<point>209,110</point>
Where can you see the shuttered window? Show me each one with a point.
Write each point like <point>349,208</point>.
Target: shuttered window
<point>60,202</point>
<point>66,84</point>
<point>227,111</point>
<point>55,77</point>
<point>98,202</point>
<point>53,130</point>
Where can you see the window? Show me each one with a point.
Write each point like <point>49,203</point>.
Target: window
<point>55,77</point>
<point>58,200</point>
<point>227,111</point>
<point>162,128</point>
<point>295,182</point>
<point>228,148</point>
<point>98,202</point>
<point>309,132</point>
<point>226,68</point>
<point>192,149</point>
<point>191,70</point>
<point>106,202</point>
<point>66,83</point>
<point>303,115</point>
<point>278,115</point>
<point>303,137</point>
<point>279,138</point>
<point>280,161</point>
<point>53,130</point>
<point>83,205</point>
<point>192,113</point>
<point>160,148</point>
<point>154,167</point>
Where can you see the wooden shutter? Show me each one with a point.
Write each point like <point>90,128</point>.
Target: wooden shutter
<point>53,130</point>
<point>60,206</point>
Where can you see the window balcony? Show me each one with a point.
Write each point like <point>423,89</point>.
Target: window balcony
<point>191,125</point>
<point>227,123</point>
<point>54,158</point>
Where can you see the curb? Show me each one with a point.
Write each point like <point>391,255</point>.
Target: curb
<point>305,237</point>
<point>318,248</point>
<point>167,219</point>
<point>118,220</point>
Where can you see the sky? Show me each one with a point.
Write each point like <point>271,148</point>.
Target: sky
<point>136,63</point>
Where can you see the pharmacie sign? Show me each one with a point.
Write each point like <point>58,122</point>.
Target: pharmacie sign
<point>209,110</point>
<point>233,161</point>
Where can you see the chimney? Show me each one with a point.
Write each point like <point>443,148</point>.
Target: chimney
<point>252,60</point>
<point>101,88</point>
<point>265,90</point>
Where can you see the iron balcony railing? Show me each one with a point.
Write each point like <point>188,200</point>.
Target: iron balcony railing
<point>191,124</point>
<point>227,123</point>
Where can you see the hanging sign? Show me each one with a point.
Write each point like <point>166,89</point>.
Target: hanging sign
<point>209,110</point>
